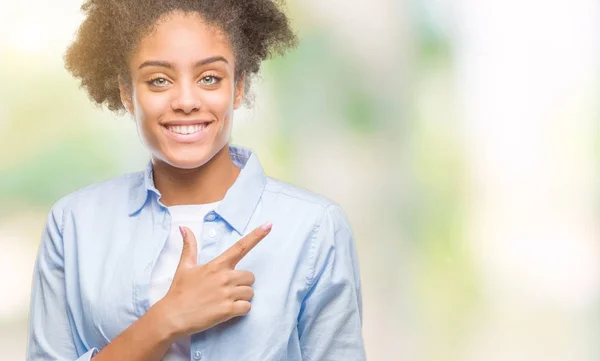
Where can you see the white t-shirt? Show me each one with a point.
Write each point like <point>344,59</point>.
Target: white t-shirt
<point>191,216</point>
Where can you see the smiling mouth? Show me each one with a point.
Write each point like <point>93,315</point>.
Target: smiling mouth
<point>187,129</point>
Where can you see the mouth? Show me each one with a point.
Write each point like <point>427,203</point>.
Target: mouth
<point>187,129</point>
<point>187,133</point>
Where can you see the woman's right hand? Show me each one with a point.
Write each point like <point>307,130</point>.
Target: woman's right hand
<point>203,296</point>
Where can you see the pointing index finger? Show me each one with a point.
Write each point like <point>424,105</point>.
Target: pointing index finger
<point>232,256</point>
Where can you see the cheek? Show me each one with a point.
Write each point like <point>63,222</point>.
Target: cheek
<point>219,102</point>
<point>148,108</point>
<point>149,105</point>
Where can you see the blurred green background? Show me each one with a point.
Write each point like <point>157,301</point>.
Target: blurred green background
<point>460,137</point>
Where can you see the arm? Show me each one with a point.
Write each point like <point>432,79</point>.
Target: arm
<point>50,336</point>
<point>147,339</point>
<point>330,321</point>
<point>51,327</point>
<point>196,301</point>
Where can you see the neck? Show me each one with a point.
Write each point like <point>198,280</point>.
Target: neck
<point>205,184</point>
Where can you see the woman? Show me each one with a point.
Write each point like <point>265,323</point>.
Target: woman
<point>180,262</point>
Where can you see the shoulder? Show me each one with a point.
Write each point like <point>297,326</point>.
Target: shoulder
<point>295,194</point>
<point>115,191</point>
<point>327,211</point>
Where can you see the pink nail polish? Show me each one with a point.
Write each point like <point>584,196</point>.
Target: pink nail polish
<point>182,230</point>
<point>267,226</point>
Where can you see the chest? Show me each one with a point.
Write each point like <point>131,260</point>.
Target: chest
<point>114,282</point>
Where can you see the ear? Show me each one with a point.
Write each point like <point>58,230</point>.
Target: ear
<point>239,91</point>
<point>125,93</point>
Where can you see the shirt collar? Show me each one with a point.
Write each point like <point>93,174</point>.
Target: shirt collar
<point>239,202</point>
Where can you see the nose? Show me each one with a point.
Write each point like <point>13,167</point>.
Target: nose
<point>186,99</point>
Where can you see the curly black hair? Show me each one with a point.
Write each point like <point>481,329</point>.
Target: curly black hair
<point>257,30</point>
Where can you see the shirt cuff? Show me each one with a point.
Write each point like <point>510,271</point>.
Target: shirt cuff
<point>88,355</point>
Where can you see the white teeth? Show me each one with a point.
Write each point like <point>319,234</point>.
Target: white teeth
<point>186,129</point>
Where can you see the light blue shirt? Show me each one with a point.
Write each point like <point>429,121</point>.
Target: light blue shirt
<point>100,244</point>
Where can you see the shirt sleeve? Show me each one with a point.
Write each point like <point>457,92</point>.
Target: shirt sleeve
<point>50,335</point>
<point>330,319</point>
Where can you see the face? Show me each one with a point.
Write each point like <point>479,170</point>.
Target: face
<point>183,91</point>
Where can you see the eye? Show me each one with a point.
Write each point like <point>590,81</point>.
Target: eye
<point>158,82</point>
<point>210,80</point>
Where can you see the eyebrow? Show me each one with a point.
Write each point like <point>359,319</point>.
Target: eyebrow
<point>166,64</point>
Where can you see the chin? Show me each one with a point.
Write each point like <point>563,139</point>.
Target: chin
<point>187,162</point>
<point>188,159</point>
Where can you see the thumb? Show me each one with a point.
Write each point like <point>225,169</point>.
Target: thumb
<point>189,253</point>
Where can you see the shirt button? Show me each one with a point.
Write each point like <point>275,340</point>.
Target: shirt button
<point>210,217</point>
<point>212,233</point>
<point>198,355</point>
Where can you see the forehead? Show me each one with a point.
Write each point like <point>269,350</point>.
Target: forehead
<point>182,39</point>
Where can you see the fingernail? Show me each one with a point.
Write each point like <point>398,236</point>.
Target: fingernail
<point>182,230</point>
<point>267,226</point>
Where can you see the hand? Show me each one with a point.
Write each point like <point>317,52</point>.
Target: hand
<point>201,297</point>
